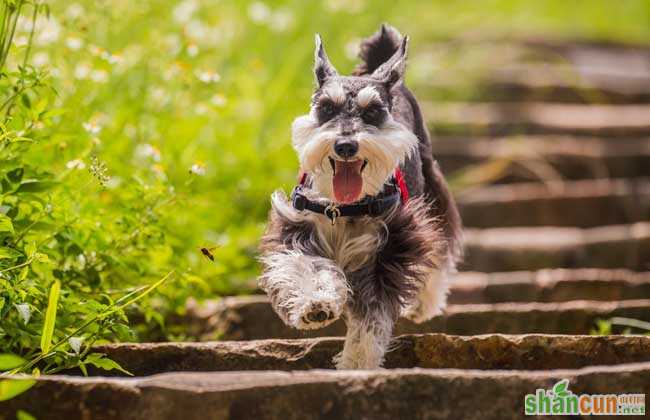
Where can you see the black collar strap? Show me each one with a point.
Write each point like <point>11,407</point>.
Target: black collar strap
<point>369,206</point>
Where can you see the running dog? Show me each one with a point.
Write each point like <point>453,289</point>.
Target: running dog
<point>371,231</point>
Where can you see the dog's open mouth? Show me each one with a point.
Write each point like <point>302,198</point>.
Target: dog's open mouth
<point>347,181</point>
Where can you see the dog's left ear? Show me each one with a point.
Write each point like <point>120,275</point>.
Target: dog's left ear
<point>323,69</point>
<point>392,71</point>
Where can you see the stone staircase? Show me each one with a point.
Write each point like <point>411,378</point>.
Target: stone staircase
<point>557,237</point>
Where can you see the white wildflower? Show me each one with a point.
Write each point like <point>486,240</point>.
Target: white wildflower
<point>48,31</point>
<point>74,43</point>
<point>147,151</point>
<point>113,182</point>
<point>208,76</point>
<point>99,76</point>
<point>24,311</point>
<point>201,109</point>
<point>75,164</point>
<point>75,344</point>
<point>218,100</point>
<point>74,11</point>
<point>352,48</point>
<point>198,169</point>
<point>184,11</point>
<point>92,127</point>
<point>40,59</point>
<point>21,40</point>
<point>259,12</point>
<point>281,20</point>
<point>82,71</point>
<point>192,50</point>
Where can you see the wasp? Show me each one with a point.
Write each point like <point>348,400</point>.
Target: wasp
<point>207,252</point>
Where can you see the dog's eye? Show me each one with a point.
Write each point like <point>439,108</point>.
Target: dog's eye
<point>326,111</point>
<point>374,115</point>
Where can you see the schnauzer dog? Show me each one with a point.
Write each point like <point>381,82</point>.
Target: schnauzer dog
<point>371,231</point>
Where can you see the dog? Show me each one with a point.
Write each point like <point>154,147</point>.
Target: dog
<point>371,231</point>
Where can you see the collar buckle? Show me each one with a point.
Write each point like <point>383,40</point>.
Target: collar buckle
<point>332,212</point>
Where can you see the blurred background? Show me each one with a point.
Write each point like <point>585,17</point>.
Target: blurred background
<point>181,110</point>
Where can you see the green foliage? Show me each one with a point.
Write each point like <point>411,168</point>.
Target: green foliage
<point>10,388</point>
<point>134,133</point>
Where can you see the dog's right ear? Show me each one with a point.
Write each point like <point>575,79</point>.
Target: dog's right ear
<point>323,69</point>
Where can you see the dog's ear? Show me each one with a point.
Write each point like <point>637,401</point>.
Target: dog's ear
<point>323,69</point>
<point>392,71</point>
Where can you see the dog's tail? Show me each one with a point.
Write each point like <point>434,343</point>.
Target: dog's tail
<point>377,49</point>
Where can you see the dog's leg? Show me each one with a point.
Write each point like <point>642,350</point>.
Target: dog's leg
<point>307,292</point>
<point>366,341</point>
<point>431,298</point>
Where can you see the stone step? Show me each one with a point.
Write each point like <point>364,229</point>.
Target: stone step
<point>538,118</point>
<point>251,318</point>
<point>551,285</point>
<point>380,394</point>
<point>585,203</point>
<point>525,248</point>
<point>439,351</point>
<point>531,158</point>
<point>503,70</point>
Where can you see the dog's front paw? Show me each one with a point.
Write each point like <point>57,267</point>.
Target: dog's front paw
<point>314,314</point>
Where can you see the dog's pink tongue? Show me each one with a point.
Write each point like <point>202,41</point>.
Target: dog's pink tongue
<point>347,181</point>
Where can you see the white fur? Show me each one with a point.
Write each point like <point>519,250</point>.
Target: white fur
<point>335,92</point>
<point>431,298</point>
<point>367,95</point>
<point>385,148</point>
<point>301,284</point>
<point>366,342</point>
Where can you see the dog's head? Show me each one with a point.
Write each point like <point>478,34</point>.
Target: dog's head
<point>349,142</point>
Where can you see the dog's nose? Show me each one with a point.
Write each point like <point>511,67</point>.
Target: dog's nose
<point>346,148</point>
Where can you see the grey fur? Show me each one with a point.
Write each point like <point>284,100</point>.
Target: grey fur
<point>394,255</point>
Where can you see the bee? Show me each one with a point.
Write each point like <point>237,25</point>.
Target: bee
<point>207,252</point>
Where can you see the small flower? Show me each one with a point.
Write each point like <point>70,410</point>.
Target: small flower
<point>143,151</point>
<point>75,164</point>
<point>99,170</point>
<point>352,48</point>
<point>192,50</point>
<point>281,20</point>
<point>184,11</point>
<point>74,43</point>
<point>99,76</point>
<point>198,169</point>
<point>92,127</point>
<point>74,11</point>
<point>82,71</point>
<point>208,76</point>
<point>259,12</point>
<point>40,59</point>
<point>48,31</point>
<point>24,311</point>
<point>75,344</point>
<point>218,100</point>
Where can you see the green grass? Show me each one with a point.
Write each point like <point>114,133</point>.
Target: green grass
<point>187,107</point>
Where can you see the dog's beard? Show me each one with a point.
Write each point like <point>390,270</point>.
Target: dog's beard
<point>380,149</point>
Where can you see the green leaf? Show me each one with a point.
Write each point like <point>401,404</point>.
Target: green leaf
<point>9,361</point>
<point>8,253</point>
<point>100,361</point>
<point>5,224</point>
<point>10,388</point>
<point>24,415</point>
<point>560,388</point>
<point>50,317</point>
<point>36,186</point>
